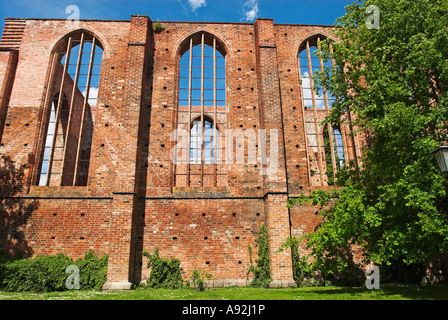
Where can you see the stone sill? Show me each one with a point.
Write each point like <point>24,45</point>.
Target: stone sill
<point>224,283</point>
<point>58,192</point>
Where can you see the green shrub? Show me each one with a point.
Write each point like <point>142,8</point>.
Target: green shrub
<point>158,27</point>
<point>42,274</point>
<point>165,273</point>
<point>92,271</point>
<point>3,260</point>
<point>307,275</point>
<point>400,272</point>
<point>47,273</point>
<point>198,278</point>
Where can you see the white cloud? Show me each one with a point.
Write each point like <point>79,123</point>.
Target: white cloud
<point>195,4</point>
<point>93,96</point>
<point>306,85</point>
<point>250,9</point>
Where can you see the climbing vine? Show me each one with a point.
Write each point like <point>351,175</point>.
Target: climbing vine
<point>261,271</point>
<point>301,270</point>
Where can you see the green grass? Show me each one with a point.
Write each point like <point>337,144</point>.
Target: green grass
<point>387,292</point>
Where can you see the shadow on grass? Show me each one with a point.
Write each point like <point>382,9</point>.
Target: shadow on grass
<point>386,292</point>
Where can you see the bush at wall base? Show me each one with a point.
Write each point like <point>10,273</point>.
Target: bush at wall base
<point>165,273</point>
<point>47,273</point>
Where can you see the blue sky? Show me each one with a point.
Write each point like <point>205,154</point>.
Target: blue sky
<point>282,11</point>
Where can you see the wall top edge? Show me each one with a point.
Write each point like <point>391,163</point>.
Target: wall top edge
<point>186,22</point>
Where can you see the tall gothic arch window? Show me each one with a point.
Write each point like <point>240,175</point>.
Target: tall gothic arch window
<point>71,102</point>
<point>202,108</point>
<point>326,145</point>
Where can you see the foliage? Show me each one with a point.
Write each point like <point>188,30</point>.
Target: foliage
<point>302,272</point>
<point>165,273</point>
<point>47,273</point>
<point>158,27</point>
<point>400,272</point>
<point>42,274</point>
<point>199,277</point>
<point>392,85</point>
<point>3,260</point>
<point>262,271</point>
<point>92,271</point>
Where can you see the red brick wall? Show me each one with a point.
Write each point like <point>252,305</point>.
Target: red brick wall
<point>206,234</point>
<point>39,226</point>
<point>8,63</point>
<point>131,202</point>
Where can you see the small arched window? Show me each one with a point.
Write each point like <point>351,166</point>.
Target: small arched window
<point>203,142</point>
<point>72,99</point>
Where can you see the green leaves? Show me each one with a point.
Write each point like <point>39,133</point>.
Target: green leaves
<point>261,271</point>
<point>165,273</point>
<point>92,271</point>
<point>394,81</point>
<point>199,278</point>
<point>47,273</point>
<point>302,273</point>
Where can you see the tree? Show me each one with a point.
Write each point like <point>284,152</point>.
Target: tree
<point>391,83</point>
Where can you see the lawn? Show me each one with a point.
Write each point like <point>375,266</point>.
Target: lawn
<point>386,292</point>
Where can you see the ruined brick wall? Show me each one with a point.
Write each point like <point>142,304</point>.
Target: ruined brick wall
<point>132,201</point>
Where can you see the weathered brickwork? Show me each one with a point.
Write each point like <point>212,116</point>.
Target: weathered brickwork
<point>136,198</point>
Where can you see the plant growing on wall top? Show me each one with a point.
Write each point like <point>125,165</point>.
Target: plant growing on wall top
<point>158,27</point>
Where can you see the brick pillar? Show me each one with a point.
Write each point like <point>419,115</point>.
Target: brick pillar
<point>8,64</point>
<point>278,226</point>
<point>120,263</point>
<point>125,199</point>
<point>275,181</point>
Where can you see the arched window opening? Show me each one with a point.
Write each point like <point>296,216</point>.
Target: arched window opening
<point>317,104</point>
<point>74,84</point>
<point>202,79</point>
<point>310,63</point>
<point>202,108</point>
<point>203,143</point>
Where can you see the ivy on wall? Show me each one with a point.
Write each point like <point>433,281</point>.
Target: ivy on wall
<point>261,271</point>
